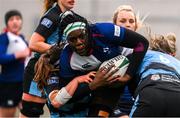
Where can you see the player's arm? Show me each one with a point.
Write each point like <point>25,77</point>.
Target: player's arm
<point>99,79</point>
<point>140,45</point>
<point>37,43</point>
<point>81,86</point>
<point>123,37</point>
<point>6,58</point>
<point>60,97</point>
<point>46,27</point>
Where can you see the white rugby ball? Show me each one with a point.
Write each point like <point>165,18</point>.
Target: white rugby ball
<point>120,62</point>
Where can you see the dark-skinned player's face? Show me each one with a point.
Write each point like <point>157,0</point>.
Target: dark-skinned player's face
<point>78,40</point>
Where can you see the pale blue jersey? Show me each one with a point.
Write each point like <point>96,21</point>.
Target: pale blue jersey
<point>161,58</point>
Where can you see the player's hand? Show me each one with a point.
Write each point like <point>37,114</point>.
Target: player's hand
<point>22,54</point>
<point>118,78</point>
<point>101,77</point>
<point>52,95</point>
<point>86,78</point>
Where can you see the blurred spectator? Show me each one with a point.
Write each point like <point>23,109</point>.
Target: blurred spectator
<point>13,52</point>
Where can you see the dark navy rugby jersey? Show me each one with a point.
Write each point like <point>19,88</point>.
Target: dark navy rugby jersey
<point>48,26</point>
<point>106,41</point>
<point>106,38</point>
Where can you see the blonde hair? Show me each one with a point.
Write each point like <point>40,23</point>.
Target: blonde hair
<point>138,21</point>
<point>48,4</point>
<point>163,43</point>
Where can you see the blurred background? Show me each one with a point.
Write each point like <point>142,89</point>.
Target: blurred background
<point>163,15</point>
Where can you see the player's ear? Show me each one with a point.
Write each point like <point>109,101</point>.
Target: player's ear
<point>173,54</point>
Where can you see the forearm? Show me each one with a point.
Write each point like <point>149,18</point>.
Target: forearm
<point>4,59</point>
<point>76,89</point>
<point>139,45</point>
<point>40,47</point>
<point>125,79</point>
<point>37,43</point>
<point>72,86</point>
<point>60,97</point>
<point>82,90</point>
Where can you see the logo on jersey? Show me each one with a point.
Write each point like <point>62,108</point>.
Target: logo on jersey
<point>10,102</point>
<point>164,59</point>
<point>53,80</point>
<point>106,49</point>
<point>117,112</point>
<point>155,77</point>
<point>116,30</point>
<point>83,63</point>
<point>16,41</point>
<point>46,22</point>
<point>0,69</point>
<point>87,65</point>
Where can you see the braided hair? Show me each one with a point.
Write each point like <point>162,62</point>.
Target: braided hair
<point>70,17</point>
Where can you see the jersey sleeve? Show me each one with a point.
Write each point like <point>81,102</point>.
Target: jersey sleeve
<point>110,32</point>
<point>47,25</point>
<point>5,58</point>
<point>120,36</point>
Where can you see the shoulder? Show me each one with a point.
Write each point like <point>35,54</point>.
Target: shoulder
<point>49,22</point>
<point>103,26</point>
<point>107,27</point>
<point>23,38</point>
<point>3,37</point>
<point>53,13</point>
<point>108,30</point>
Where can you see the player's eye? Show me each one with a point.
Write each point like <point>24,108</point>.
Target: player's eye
<point>72,39</point>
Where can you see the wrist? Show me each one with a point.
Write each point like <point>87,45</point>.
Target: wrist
<point>93,85</point>
<point>76,80</point>
<point>53,94</point>
<point>62,96</point>
<point>17,55</point>
<point>125,78</point>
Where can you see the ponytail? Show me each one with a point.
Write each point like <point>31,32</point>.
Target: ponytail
<point>48,4</point>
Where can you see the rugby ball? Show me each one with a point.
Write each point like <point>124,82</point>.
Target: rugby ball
<point>120,62</point>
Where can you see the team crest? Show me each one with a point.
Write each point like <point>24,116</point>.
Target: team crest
<point>46,22</point>
<point>155,77</point>
<point>117,31</point>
